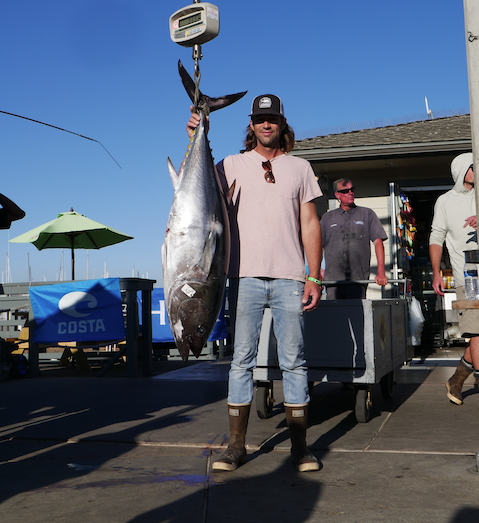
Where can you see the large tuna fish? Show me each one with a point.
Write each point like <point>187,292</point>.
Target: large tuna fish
<point>195,252</point>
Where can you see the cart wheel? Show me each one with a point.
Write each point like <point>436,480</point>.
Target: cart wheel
<point>362,406</point>
<point>264,399</point>
<point>387,385</point>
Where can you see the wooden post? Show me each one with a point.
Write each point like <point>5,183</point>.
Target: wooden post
<point>471,22</point>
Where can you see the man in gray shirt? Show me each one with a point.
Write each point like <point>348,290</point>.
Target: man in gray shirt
<point>347,233</point>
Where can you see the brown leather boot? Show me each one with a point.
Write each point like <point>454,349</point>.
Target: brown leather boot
<point>455,382</point>
<point>297,420</point>
<point>235,455</point>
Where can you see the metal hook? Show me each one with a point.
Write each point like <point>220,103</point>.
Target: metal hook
<point>472,37</point>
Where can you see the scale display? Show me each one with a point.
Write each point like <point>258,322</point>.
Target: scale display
<point>195,24</point>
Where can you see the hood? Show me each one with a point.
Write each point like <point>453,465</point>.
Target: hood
<point>459,168</point>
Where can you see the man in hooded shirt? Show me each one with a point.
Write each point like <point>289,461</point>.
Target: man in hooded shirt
<point>454,222</point>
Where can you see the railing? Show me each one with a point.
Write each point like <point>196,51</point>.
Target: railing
<point>399,284</point>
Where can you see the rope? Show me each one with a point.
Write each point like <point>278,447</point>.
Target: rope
<point>64,130</point>
<point>198,105</point>
<point>197,77</point>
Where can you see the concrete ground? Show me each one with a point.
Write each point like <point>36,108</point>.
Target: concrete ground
<point>75,448</point>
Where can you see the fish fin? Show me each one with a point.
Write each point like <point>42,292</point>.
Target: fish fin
<point>223,101</point>
<point>175,177</point>
<point>229,194</point>
<point>213,103</point>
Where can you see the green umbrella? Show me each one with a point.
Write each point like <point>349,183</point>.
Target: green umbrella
<point>72,231</point>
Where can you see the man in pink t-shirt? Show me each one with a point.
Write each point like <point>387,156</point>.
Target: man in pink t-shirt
<point>273,224</point>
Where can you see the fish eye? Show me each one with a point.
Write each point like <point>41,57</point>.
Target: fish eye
<point>201,330</point>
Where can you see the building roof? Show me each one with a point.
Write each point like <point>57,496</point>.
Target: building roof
<point>450,129</point>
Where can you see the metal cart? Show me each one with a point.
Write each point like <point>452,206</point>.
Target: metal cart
<point>358,342</point>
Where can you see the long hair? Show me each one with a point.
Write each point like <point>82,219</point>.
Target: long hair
<point>286,141</point>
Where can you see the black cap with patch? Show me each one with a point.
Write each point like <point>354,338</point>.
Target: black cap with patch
<point>267,104</point>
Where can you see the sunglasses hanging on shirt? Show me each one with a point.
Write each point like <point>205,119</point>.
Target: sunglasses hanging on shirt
<point>268,175</point>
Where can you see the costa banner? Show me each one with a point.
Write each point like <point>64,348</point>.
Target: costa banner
<point>160,326</point>
<point>88,310</point>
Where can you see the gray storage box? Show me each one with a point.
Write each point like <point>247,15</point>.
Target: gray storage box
<point>348,341</point>
<point>354,341</point>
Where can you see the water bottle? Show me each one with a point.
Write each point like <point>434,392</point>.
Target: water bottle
<point>470,280</point>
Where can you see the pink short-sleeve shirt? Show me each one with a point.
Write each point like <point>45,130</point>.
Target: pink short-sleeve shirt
<point>264,217</point>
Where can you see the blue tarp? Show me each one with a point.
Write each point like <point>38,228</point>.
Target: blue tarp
<point>88,310</point>
<point>161,327</point>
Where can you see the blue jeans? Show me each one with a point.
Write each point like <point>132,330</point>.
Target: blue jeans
<point>248,297</point>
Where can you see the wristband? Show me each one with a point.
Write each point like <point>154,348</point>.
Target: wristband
<point>315,280</point>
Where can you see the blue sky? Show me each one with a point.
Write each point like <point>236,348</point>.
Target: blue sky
<point>107,69</point>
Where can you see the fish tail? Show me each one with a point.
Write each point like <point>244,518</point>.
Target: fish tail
<point>212,104</point>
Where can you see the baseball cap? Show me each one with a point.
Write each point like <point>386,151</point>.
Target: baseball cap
<point>267,104</point>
